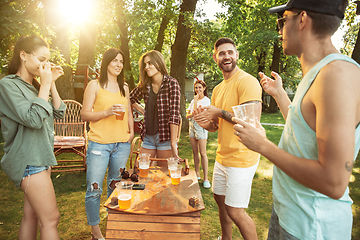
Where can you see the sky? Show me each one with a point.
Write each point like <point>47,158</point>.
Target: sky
<point>211,7</point>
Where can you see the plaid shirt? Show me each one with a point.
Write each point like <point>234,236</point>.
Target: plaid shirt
<point>168,103</point>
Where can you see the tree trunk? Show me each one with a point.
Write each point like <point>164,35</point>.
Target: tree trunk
<point>356,52</point>
<point>261,67</point>
<point>64,84</point>
<point>179,52</point>
<point>122,24</point>
<point>87,44</point>
<point>161,34</point>
<point>273,107</point>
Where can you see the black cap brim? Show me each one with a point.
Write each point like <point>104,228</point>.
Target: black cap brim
<point>279,9</point>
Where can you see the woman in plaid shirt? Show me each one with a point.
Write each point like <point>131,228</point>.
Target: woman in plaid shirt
<point>161,94</point>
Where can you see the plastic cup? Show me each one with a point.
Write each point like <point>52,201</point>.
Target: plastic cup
<point>144,164</point>
<point>172,162</point>
<point>175,174</point>
<point>120,112</point>
<point>247,111</point>
<point>124,194</point>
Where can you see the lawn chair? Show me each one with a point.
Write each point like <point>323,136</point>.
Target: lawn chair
<point>70,137</point>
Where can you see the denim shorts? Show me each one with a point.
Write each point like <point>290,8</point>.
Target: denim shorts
<point>276,232</point>
<point>31,170</point>
<point>196,131</point>
<point>153,142</point>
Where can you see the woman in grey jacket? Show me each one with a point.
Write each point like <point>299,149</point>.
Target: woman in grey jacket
<point>27,113</point>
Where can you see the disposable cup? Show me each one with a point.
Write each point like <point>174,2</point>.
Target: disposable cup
<point>120,112</point>
<point>144,164</point>
<point>175,174</point>
<point>172,162</point>
<point>247,111</point>
<point>124,190</point>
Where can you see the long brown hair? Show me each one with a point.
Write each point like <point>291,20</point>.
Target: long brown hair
<point>108,56</point>
<point>157,59</point>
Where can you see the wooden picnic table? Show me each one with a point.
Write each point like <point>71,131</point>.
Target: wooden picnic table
<point>160,211</point>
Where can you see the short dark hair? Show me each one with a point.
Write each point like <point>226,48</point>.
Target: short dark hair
<point>325,24</point>
<point>108,56</point>
<point>27,44</point>
<point>221,41</point>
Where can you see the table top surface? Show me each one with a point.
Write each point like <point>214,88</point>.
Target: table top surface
<point>160,197</point>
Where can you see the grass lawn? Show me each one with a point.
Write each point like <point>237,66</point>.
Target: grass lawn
<point>70,192</point>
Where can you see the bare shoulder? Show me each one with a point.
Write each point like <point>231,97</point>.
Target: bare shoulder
<point>338,83</point>
<point>92,87</point>
<point>342,69</point>
<point>94,84</point>
<point>339,75</point>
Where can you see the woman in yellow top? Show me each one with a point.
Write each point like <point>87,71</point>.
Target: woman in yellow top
<point>111,132</point>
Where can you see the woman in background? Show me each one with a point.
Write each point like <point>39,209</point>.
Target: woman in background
<point>161,94</point>
<point>109,138</point>
<point>27,123</point>
<point>198,135</point>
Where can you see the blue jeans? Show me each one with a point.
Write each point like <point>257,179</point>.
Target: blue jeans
<point>100,157</point>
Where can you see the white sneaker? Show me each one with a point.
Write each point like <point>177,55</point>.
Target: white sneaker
<point>207,184</point>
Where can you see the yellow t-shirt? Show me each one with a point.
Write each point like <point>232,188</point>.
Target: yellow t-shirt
<point>240,88</point>
<point>109,130</point>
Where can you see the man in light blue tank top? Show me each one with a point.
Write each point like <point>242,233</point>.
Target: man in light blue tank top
<point>321,138</point>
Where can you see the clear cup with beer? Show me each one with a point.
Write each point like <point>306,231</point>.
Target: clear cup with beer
<point>144,164</point>
<point>124,190</point>
<point>247,111</point>
<point>172,162</point>
<point>120,111</point>
<point>175,174</point>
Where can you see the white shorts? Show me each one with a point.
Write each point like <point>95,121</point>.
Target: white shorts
<point>233,183</point>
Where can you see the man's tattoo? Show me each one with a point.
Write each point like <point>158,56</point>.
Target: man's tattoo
<point>227,116</point>
<point>349,166</point>
<point>213,126</point>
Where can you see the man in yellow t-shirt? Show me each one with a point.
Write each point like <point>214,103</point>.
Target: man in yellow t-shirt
<point>235,165</point>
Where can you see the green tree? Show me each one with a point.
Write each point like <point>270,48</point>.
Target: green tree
<point>254,30</point>
<point>200,51</point>
<point>19,18</point>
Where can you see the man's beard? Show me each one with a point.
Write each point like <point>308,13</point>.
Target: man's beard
<point>227,68</point>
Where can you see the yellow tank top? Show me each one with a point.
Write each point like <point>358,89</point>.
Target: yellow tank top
<point>109,130</point>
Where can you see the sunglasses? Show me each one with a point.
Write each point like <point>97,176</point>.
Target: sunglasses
<point>125,175</point>
<point>281,21</point>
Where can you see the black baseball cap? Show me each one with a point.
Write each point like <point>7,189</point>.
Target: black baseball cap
<point>330,7</point>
